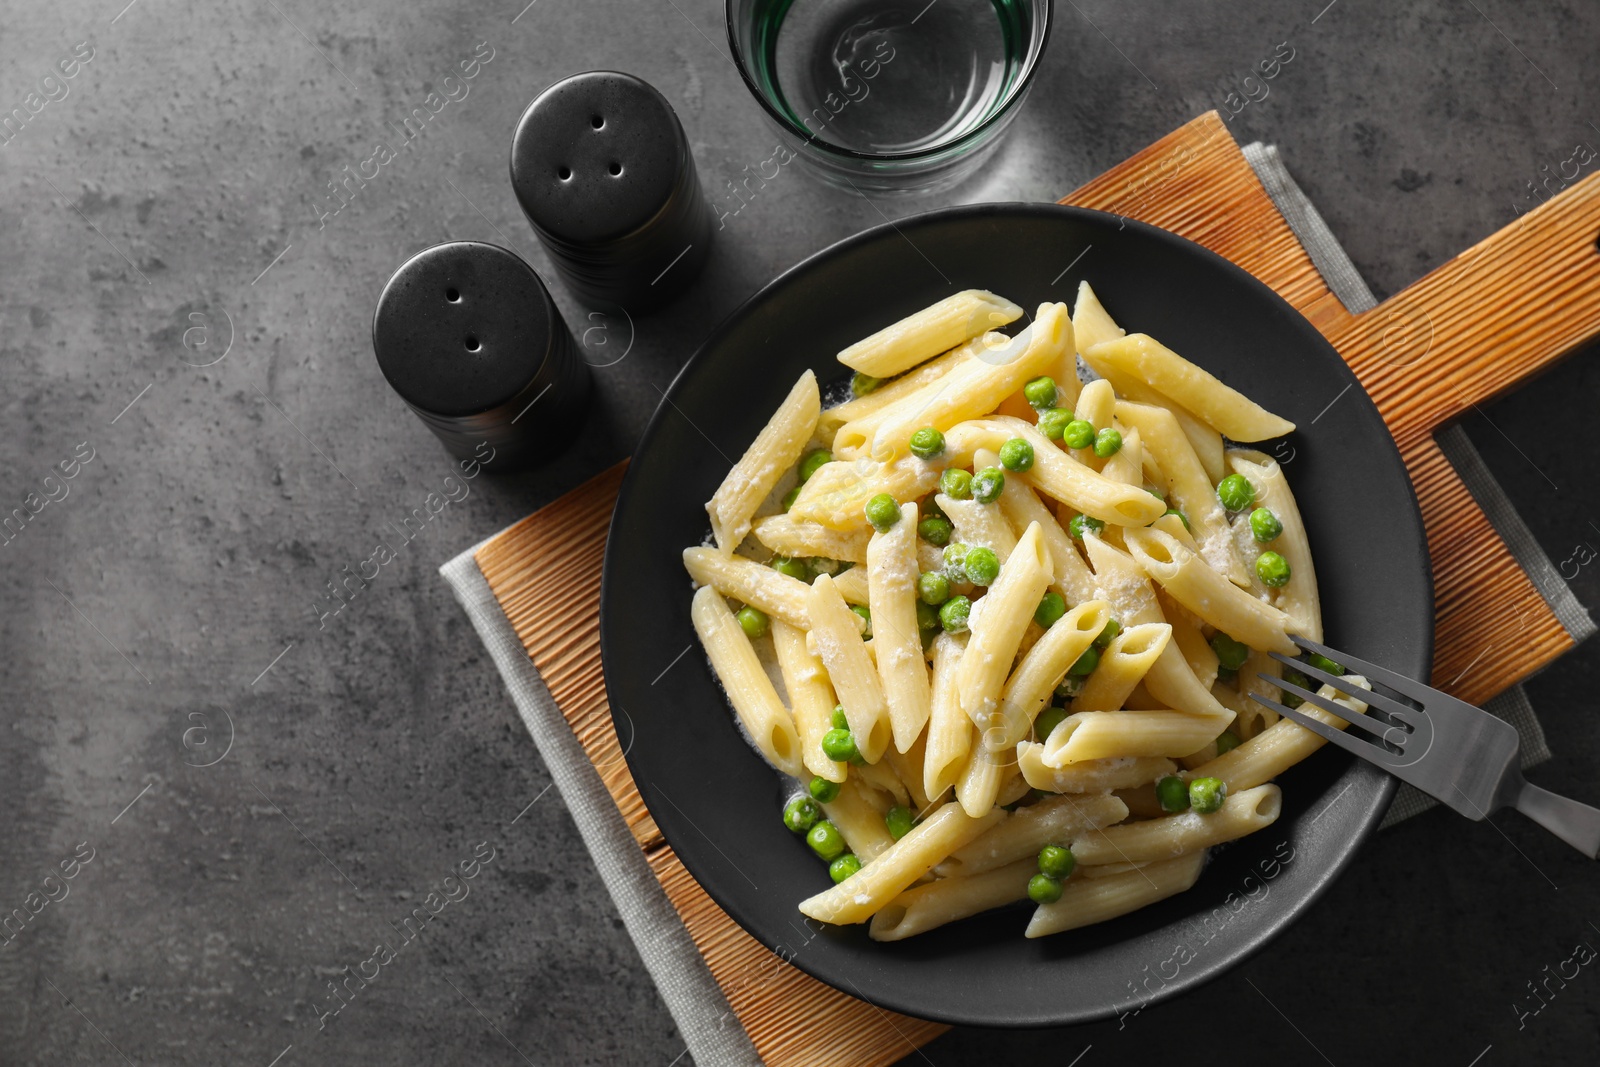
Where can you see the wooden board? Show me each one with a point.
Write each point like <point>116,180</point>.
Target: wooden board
<point>1482,322</point>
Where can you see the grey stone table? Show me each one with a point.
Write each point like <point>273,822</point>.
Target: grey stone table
<point>170,205</point>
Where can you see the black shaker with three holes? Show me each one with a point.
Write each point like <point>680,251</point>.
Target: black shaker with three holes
<point>602,168</point>
<point>468,336</point>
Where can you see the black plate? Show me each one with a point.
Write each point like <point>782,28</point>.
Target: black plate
<point>718,803</point>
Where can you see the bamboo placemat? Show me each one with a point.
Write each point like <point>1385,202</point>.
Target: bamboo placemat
<point>545,571</point>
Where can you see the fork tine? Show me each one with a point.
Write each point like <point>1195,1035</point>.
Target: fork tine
<point>1377,727</point>
<point>1369,697</point>
<point>1373,673</point>
<point>1367,750</point>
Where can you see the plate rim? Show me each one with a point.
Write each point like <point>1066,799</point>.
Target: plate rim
<point>1386,785</point>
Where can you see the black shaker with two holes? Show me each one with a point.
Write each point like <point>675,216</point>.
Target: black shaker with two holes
<point>602,169</point>
<point>468,336</point>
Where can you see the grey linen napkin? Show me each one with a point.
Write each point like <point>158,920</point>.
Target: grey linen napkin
<point>713,1037</point>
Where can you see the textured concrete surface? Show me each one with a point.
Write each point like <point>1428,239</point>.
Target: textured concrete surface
<point>174,200</point>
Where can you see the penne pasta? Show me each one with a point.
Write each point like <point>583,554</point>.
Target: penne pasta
<point>852,424</point>
<point>1227,410</point>
<point>1089,776</point>
<point>898,867</point>
<point>766,721</point>
<point>1051,821</point>
<point>1123,665</point>
<point>852,585</point>
<point>777,595</point>
<point>986,770</point>
<point>949,729</point>
<point>933,904</point>
<point>1189,581</point>
<point>776,448</point>
<point>811,698</point>
<point>997,624</point>
<point>921,336</point>
<point>1241,813</point>
<point>1297,598</point>
<point>892,598</point>
<point>1091,735</point>
<point>1072,578</point>
<point>786,534</point>
<point>979,524</point>
<point>1038,673</point>
<point>855,678</point>
<point>836,494</point>
<point>1088,900</point>
<point>859,821</point>
<point>1283,744</point>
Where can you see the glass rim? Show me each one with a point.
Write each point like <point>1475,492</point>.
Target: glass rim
<point>1046,9</point>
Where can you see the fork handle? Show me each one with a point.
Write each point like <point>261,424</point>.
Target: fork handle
<point>1576,824</point>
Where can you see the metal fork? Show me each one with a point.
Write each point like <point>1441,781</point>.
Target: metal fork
<point>1462,756</point>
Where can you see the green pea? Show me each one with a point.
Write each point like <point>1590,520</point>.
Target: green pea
<point>1227,676</point>
<point>1053,422</point>
<point>1070,687</point>
<point>1264,525</point>
<point>826,840</point>
<point>927,616</point>
<point>1086,663</point>
<point>883,512</point>
<point>1227,741</point>
<point>934,589</point>
<point>1051,607</point>
<point>935,529</point>
<point>862,384</point>
<point>982,565</point>
<point>1323,663</point>
<point>1294,700</point>
<point>1107,634</point>
<point>1045,723</point>
<point>812,460</point>
<point>1057,862</point>
<point>1016,455</point>
<point>898,821</point>
<point>1107,443</point>
<point>1172,793</point>
<point>1231,654</point>
<point>1079,433</point>
<point>956,483</point>
<point>1236,492</point>
<point>953,614</point>
<point>1043,889</point>
<point>955,562</point>
<point>988,484</point>
<point>801,814</point>
<point>823,790</point>
<point>1181,518</point>
<point>1272,569</point>
<point>790,497</point>
<point>927,443</point>
<point>1082,524</point>
<point>839,746</point>
<point>1041,392</point>
<point>794,568</point>
<point>843,867</point>
<point>866,617</point>
<point>1206,794</point>
<point>752,622</point>
<point>840,720</point>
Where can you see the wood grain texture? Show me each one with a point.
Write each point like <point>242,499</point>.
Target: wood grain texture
<point>1485,320</point>
<point>1493,316</point>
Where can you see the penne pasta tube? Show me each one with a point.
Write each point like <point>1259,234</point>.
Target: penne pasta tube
<point>921,336</point>
<point>1195,649</point>
<point>1189,487</point>
<point>1091,324</point>
<point>853,423</point>
<point>1035,678</point>
<point>1096,404</point>
<point>1133,603</point>
<point>1088,900</point>
<point>1022,508</point>
<point>858,897</point>
<point>881,777</point>
<point>1258,667</point>
<point>1227,410</point>
<point>1127,466</point>
<point>1051,821</point>
<point>1298,598</point>
<point>892,598</point>
<point>788,535</point>
<point>933,904</point>
<point>811,699</point>
<point>908,766</point>
<point>1089,776</point>
<point>1206,442</point>
<point>1242,813</point>
<point>1281,745</point>
<point>1091,735</point>
<point>766,721</point>
<point>763,588</point>
<point>859,821</point>
<point>1123,665</point>
<point>836,494</point>
<point>949,729</point>
<point>855,678</point>
<point>775,450</point>
<point>977,386</point>
<point>852,585</point>
<point>997,623</point>
<point>979,524</point>
<point>1188,580</point>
